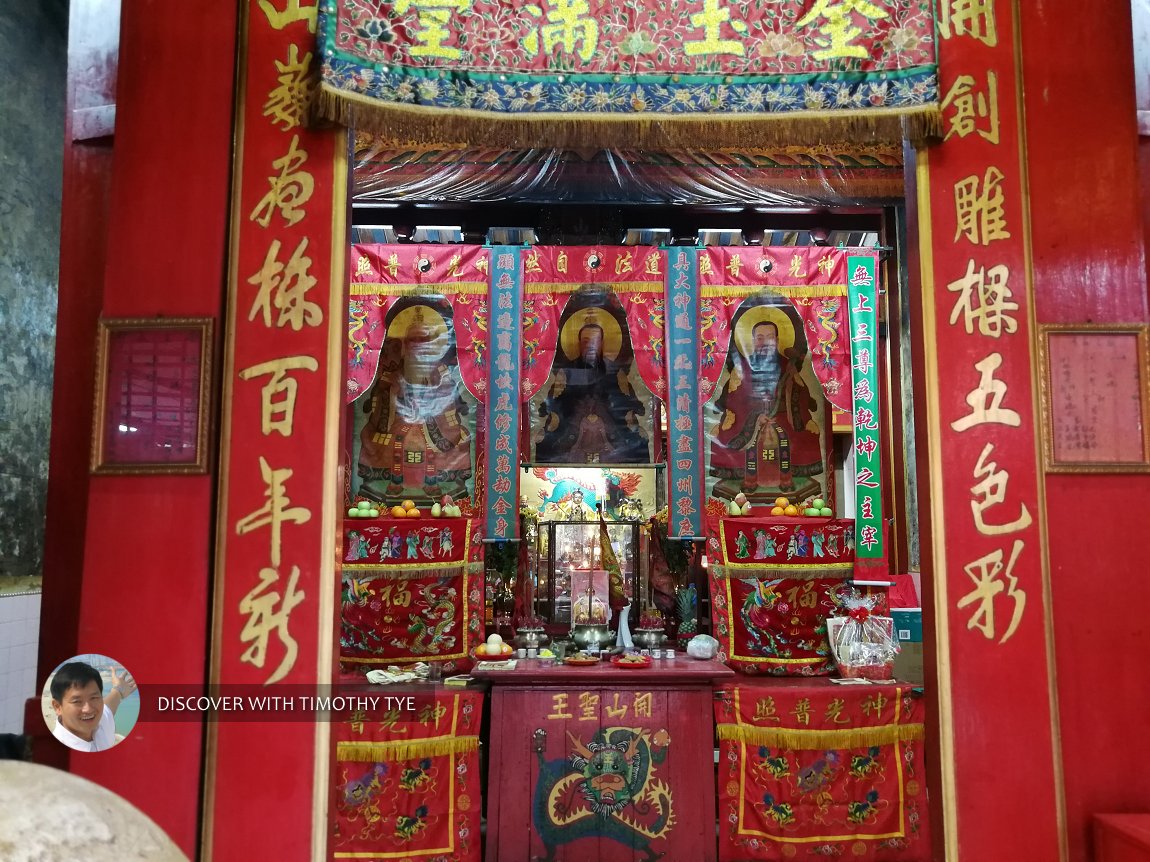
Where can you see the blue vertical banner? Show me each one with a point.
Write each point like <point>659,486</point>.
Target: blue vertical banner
<point>503,401</point>
<point>862,294</point>
<point>684,420</point>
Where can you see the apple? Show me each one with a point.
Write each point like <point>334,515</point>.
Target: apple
<point>363,504</point>
<point>826,513</point>
<point>374,513</point>
<point>817,503</point>
<point>741,498</point>
<point>353,512</point>
<point>811,512</point>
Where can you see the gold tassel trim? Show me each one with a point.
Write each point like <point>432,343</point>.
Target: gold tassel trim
<point>401,571</point>
<point>405,749</point>
<point>759,572</point>
<point>403,124</point>
<point>447,288</point>
<point>541,287</point>
<point>855,737</point>
<point>710,290</point>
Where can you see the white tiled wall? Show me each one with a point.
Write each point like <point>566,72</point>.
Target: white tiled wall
<point>19,634</point>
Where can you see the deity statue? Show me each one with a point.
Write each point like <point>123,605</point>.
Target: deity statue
<point>769,438</point>
<point>590,413</point>
<point>415,443</point>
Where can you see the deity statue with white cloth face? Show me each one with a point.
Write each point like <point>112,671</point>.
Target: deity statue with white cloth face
<point>416,443</point>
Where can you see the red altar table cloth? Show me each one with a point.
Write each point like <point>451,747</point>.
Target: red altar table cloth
<point>811,768</point>
<point>412,592</point>
<point>406,781</point>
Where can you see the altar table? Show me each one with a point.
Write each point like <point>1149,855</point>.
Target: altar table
<point>602,763</point>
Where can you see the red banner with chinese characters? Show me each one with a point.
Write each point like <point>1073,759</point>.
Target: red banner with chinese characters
<point>822,770</point>
<point>275,554</point>
<point>990,580</point>
<point>416,546</point>
<point>382,274</point>
<point>407,782</point>
<point>796,547</point>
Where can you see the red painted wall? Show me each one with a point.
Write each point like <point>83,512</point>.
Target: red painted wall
<point>93,39</point>
<point>144,597</point>
<point>1087,233</point>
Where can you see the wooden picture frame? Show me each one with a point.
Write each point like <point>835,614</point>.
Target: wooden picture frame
<point>153,396</point>
<point>1095,397</point>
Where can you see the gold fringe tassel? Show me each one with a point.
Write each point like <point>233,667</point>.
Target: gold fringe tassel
<point>774,289</point>
<point>857,737</point>
<point>405,749</point>
<point>403,124</point>
<point>761,572</point>
<point>402,571</point>
<point>446,289</point>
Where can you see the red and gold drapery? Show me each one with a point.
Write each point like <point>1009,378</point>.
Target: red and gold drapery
<point>382,274</point>
<point>551,274</point>
<point>808,769</point>
<point>407,781</point>
<point>422,602</point>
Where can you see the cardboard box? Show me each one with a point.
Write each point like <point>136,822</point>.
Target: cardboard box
<point>908,631</point>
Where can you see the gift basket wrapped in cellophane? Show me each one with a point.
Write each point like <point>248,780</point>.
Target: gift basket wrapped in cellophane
<point>863,643</point>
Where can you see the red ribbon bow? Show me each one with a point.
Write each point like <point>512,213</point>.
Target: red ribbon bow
<point>859,615</point>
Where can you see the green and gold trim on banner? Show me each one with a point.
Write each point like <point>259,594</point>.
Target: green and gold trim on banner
<point>477,288</point>
<point>405,749</point>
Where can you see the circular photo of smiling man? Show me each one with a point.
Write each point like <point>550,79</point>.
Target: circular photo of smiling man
<point>91,703</point>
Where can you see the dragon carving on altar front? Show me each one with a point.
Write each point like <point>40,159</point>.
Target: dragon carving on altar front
<point>607,789</point>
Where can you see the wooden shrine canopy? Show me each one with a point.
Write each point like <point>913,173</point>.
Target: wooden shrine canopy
<point>648,74</point>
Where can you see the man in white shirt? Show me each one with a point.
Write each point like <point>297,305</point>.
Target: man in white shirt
<point>85,719</point>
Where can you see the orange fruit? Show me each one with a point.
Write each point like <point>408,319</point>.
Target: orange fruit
<point>782,502</point>
<point>778,510</point>
<point>397,512</point>
<point>408,504</point>
<point>413,513</point>
<point>790,510</point>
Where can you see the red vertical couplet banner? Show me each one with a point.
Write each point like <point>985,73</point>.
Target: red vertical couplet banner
<point>864,342</point>
<point>275,581</point>
<point>986,509</point>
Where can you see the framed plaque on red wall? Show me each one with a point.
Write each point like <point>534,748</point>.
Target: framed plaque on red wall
<point>153,384</point>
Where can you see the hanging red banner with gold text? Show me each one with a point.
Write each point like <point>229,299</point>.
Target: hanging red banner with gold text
<point>990,583</point>
<point>275,543</point>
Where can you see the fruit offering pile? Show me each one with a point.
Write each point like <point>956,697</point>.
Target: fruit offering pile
<point>494,648</point>
<point>445,508</point>
<point>739,506</point>
<point>814,507</point>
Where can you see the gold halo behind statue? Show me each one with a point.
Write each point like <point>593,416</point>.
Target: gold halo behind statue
<point>612,335</point>
<point>744,329</point>
<point>424,314</point>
